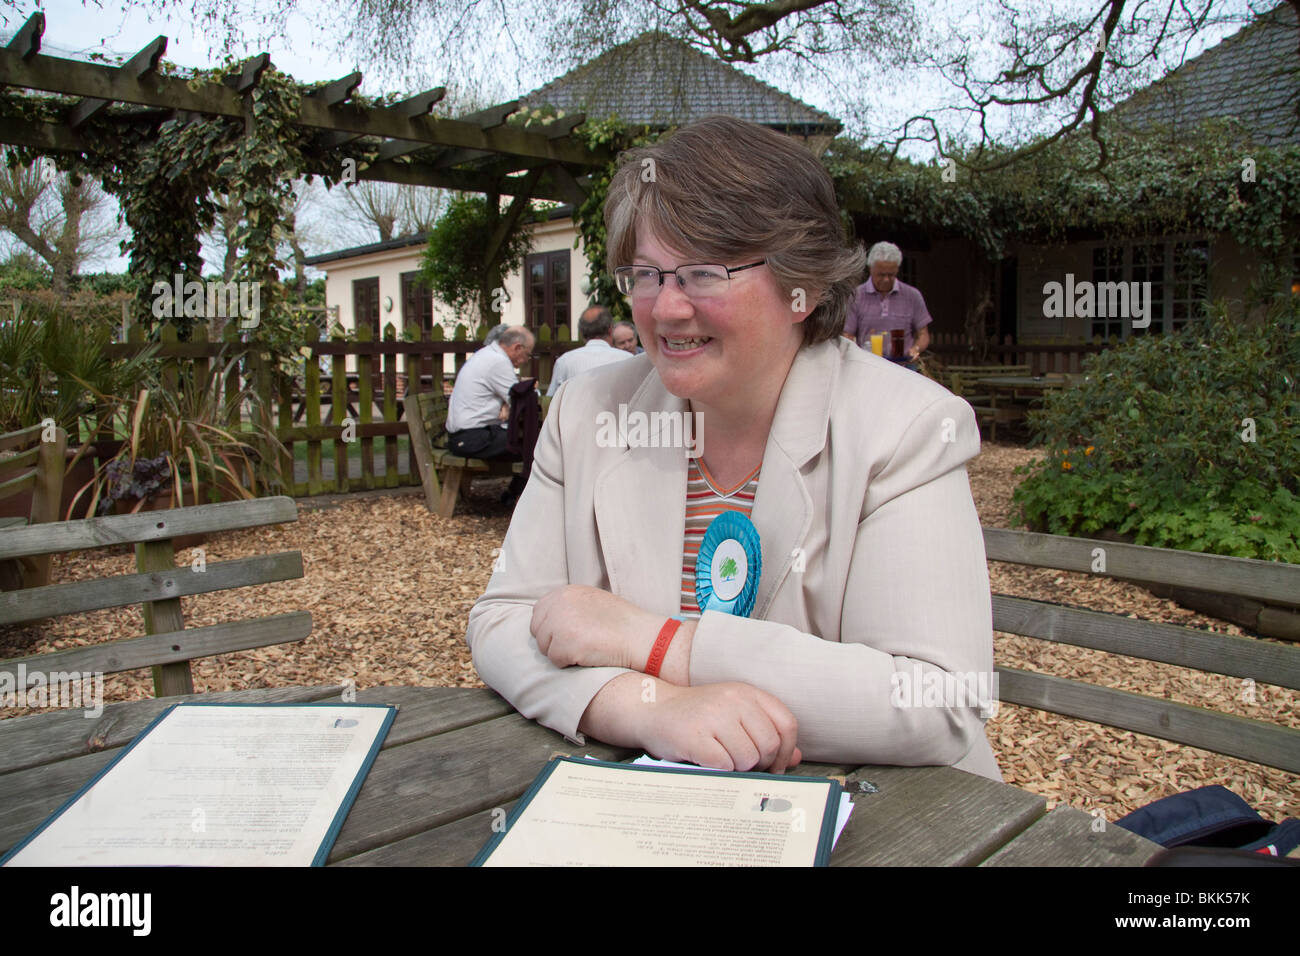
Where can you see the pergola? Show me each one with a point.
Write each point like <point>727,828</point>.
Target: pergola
<point>478,152</point>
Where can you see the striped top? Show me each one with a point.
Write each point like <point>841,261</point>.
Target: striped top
<point>704,502</point>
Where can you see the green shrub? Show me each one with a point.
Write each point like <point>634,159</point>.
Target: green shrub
<point>1157,441</point>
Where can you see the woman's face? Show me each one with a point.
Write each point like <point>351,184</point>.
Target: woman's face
<point>728,351</point>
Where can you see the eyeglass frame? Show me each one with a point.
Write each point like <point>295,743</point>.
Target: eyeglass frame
<point>681,284</point>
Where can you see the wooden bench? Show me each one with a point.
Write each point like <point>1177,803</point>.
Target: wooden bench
<point>30,464</point>
<point>1241,657</point>
<point>962,380</point>
<point>426,419</point>
<point>167,646</point>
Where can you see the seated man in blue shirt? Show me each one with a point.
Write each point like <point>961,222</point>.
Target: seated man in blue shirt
<point>480,399</point>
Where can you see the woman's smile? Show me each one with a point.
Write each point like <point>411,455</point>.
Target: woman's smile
<point>682,346</point>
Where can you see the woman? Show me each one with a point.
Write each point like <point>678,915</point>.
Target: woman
<point>872,574</point>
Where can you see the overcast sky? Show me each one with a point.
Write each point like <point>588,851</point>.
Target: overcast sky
<point>310,52</point>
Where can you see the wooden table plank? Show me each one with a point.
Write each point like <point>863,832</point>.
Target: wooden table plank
<point>435,780</point>
<point>29,796</point>
<point>931,816</point>
<point>1065,837</point>
<point>426,711</point>
<point>47,738</point>
<point>452,844</point>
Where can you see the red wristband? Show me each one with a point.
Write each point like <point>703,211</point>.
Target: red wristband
<point>660,650</point>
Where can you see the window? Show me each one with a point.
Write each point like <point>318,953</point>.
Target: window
<point>1178,271</point>
<point>1190,282</point>
<point>546,290</point>
<point>1108,266</point>
<point>365,304</point>
<point>417,304</point>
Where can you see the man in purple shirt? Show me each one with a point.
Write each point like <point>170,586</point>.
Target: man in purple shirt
<point>883,303</point>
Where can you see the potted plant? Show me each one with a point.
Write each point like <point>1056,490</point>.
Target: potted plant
<point>185,445</point>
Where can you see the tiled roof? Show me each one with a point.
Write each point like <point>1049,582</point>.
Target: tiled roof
<point>1252,76</point>
<point>658,80</point>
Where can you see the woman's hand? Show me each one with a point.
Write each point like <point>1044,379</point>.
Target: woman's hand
<point>590,627</point>
<point>728,726</point>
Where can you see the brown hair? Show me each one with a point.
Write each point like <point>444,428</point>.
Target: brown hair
<point>724,189</point>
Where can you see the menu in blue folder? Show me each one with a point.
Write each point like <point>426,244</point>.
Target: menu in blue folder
<point>593,813</point>
<point>219,785</point>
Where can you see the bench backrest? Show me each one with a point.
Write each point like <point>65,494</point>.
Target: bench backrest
<point>167,646</point>
<point>1241,657</point>
<point>962,379</point>
<point>429,411</point>
<point>981,370</point>
<point>29,463</point>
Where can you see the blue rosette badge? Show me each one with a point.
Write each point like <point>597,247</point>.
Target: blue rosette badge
<point>729,566</point>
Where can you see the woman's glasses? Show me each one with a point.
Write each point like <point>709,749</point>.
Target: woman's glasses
<point>697,281</point>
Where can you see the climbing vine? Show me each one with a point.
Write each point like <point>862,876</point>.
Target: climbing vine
<point>1148,188</point>
<point>167,178</point>
<point>617,136</point>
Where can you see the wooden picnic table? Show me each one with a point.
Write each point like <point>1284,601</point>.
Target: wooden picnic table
<point>1010,389</point>
<point>454,755</point>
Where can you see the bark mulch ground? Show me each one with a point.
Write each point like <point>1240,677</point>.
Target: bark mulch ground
<point>390,586</point>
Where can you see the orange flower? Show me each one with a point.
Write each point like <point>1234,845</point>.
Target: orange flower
<point>1066,453</point>
<point>1089,450</point>
<point>1066,465</point>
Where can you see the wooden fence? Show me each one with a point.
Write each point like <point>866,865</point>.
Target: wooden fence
<point>338,410</point>
<point>338,407</point>
<point>953,349</point>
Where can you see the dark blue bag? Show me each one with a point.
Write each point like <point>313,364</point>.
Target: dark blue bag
<point>1211,817</point>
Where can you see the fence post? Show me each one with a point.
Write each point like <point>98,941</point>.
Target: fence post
<point>439,361</point>
<point>284,428</point>
<point>390,408</point>
<point>544,367</point>
<point>460,335</point>
<point>366,406</point>
<point>167,335</point>
<point>311,406</point>
<point>339,409</point>
<point>263,398</point>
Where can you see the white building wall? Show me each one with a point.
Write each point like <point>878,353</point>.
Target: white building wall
<point>389,265</point>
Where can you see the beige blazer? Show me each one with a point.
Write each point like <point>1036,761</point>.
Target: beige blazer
<point>863,486</point>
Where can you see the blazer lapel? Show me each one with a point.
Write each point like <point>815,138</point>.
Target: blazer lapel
<point>783,508</point>
<point>640,505</point>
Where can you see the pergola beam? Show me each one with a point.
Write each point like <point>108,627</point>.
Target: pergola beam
<point>555,182</point>
<point>26,43</point>
<point>338,91</point>
<point>250,75</point>
<point>46,136</point>
<point>418,174</point>
<point>563,126</point>
<point>568,187</point>
<point>489,118</point>
<point>400,147</point>
<point>75,78</point>
<point>492,116</point>
<point>142,64</point>
<point>511,217</point>
<point>418,105</point>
